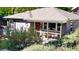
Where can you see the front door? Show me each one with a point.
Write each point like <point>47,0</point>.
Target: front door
<point>37,26</point>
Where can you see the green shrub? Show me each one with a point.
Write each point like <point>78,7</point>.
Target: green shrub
<point>22,35</point>
<point>18,35</point>
<point>33,35</point>
<point>57,43</point>
<point>71,49</point>
<point>7,44</point>
<point>72,39</point>
<point>37,47</point>
<point>68,49</point>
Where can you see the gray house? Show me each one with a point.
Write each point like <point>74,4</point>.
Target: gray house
<point>52,22</point>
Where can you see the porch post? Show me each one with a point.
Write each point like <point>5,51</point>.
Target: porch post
<point>56,27</point>
<point>47,30</point>
<point>61,30</point>
<point>43,26</point>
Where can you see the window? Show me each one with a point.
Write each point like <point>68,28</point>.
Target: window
<point>58,26</point>
<point>52,26</point>
<point>45,26</point>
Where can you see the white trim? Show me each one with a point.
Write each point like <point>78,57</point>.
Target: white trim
<point>47,29</point>
<point>61,30</point>
<point>43,26</point>
<point>56,27</point>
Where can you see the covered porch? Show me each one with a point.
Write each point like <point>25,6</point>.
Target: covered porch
<point>49,30</point>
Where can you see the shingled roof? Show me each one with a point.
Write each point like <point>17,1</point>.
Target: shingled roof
<point>45,15</point>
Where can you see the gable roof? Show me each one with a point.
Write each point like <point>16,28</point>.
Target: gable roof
<point>45,15</point>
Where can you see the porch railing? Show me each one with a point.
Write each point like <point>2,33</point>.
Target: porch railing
<point>50,34</point>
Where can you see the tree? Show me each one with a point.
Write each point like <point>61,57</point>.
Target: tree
<point>65,8</point>
<point>12,10</point>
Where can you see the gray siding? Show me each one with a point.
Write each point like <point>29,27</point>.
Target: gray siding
<point>64,28</point>
<point>68,27</point>
<point>76,24</point>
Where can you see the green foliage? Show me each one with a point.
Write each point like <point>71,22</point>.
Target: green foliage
<point>7,44</point>
<point>33,35</point>
<point>12,10</point>
<point>37,47</point>
<point>57,43</point>
<point>23,37</point>
<point>72,39</point>
<point>71,49</point>
<point>18,35</point>
<point>66,8</point>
